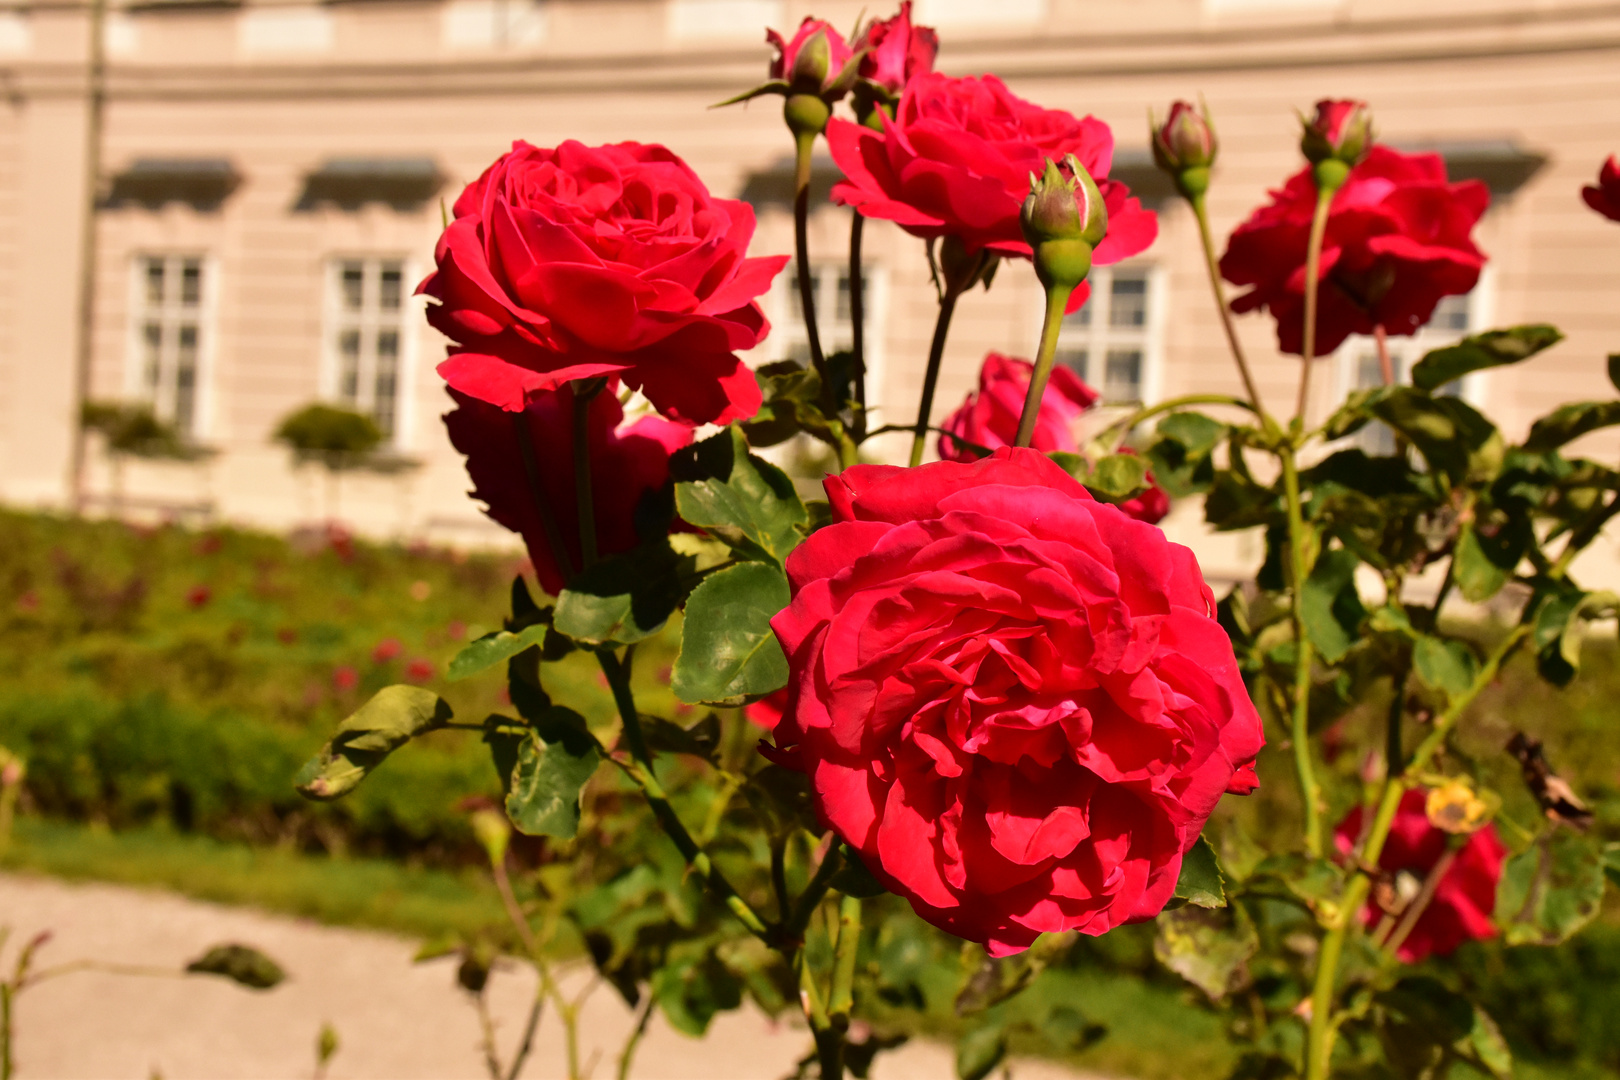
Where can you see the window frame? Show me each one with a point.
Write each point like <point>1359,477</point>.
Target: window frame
<point>787,322</point>
<point>135,387</point>
<point>1097,334</point>
<point>336,318</point>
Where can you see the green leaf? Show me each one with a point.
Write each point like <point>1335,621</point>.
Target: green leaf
<point>553,766</point>
<point>1330,606</point>
<point>242,964</point>
<point>979,1050</point>
<point>1201,882</point>
<point>699,740</point>
<point>691,992</point>
<point>738,498</point>
<point>623,598</point>
<point>491,649</point>
<point>1494,348</point>
<point>1477,577</point>
<point>728,651</point>
<point>1558,630</point>
<point>854,879</point>
<point>1118,477</point>
<point>1570,422</point>
<point>1453,437</point>
<point>1550,890</point>
<point>1445,665</point>
<point>1488,1046</point>
<point>394,716</point>
<point>1181,458</point>
<point>1210,949</point>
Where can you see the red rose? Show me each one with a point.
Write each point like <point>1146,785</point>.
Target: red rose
<point>990,417</point>
<point>1397,241</point>
<point>614,260</point>
<point>1013,700</point>
<point>811,70</point>
<point>386,650</point>
<point>1466,896</point>
<point>419,670</point>
<point>345,678</point>
<point>627,464</point>
<point>1604,197</point>
<point>896,51</point>
<point>767,712</point>
<point>957,159</point>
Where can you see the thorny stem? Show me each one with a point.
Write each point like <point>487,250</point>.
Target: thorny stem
<point>784,905</point>
<point>542,505</point>
<point>585,390</point>
<point>842,1000</point>
<point>936,350</point>
<point>1300,734</point>
<point>801,243</point>
<point>857,315</point>
<point>1051,323</point>
<point>640,770</point>
<point>1313,265</point>
<point>813,892</point>
<point>829,1042</point>
<point>628,1054</point>
<point>1319,1048</point>
<point>1215,285</point>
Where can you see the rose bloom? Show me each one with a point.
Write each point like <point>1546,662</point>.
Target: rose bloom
<point>1012,699</point>
<point>990,419</point>
<point>629,462</point>
<point>579,261</point>
<point>957,159</point>
<point>896,51</point>
<point>1604,197</point>
<point>1397,241</point>
<point>1464,899</point>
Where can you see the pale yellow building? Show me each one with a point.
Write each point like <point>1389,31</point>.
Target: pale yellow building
<point>270,178</point>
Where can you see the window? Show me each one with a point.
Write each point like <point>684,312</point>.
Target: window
<point>830,284</point>
<point>367,335</point>
<point>1454,317</point>
<point>1110,342</point>
<point>169,336</point>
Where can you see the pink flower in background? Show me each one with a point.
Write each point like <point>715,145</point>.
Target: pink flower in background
<point>1013,700</point>
<point>578,261</point>
<point>387,649</point>
<point>419,670</point>
<point>989,418</point>
<point>198,596</point>
<point>345,678</point>
<point>1604,196</point>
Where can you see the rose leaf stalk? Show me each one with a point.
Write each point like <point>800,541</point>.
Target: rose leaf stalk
<point>1064,220</point>
<point>857,316</point>
<point>1304,654</point>
<point>1213,268</point>
<point>806,116</point>
<point>1330,176</point>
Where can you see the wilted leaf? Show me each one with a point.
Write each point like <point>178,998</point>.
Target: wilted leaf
<point>552,767</point>
<point>1210,949</point>
<point>1494,348</point>
<point>728,651</point>
<point>394,716</point>
<point>241,964</point>
<point>1551,890</point>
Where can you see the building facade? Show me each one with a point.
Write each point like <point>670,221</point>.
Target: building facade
<point>269,180</point>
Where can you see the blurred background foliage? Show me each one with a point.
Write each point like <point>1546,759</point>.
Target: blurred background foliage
<point>165,684</point>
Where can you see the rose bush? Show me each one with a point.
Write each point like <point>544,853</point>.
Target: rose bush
<point>571,262</point>
<point>956,161</point>
<point>629,463</point>
<point>1398,240</point>
<point>1465,896</point>
<point>1011,699</point>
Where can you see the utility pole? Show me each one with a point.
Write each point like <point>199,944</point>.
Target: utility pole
<point>95,106</point>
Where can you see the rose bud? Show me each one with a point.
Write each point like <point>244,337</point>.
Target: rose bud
<point>1604,197</point>
<point>1064,219</point>
<point>1184,146</point>
<point>813,71</point>
<point>1341,133</point>
<point>895,52</point>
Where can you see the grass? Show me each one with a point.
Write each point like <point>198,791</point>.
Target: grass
<point>377,894</point>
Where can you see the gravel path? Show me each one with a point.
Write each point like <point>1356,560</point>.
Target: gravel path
<point>394,1019</point>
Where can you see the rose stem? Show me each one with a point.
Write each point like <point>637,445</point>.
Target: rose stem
<point>1420,902</point>
<point>936,350</point>
<point>1313,265</point>
<point>842,1000</point>
<point>1319,1047</point>
<point>1386,367</point>
<point>801,243</point>
<point>1300,733</point>
<point>1215,285</point>
<point>542,507</point>
<point>829,1044</point>
<point>1057,297</point>
<point>585,390</point>
<point>640,770</point>
<point>857,315</point>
